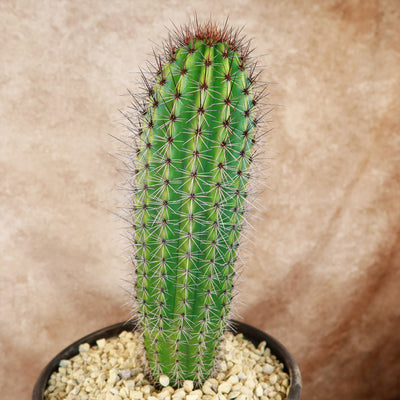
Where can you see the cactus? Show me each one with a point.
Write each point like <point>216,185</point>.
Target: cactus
<point>195,134</point>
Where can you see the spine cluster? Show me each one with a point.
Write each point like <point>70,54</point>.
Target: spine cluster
<point>196,133</point>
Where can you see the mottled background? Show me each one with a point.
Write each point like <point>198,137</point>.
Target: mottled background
<point>323,264</point>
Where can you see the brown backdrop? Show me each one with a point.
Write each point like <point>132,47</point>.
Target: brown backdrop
<point>323,262</point>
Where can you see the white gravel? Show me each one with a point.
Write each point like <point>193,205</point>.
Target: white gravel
<point>114,370</point>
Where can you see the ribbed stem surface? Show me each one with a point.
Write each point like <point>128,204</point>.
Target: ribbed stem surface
<point>195,151</point>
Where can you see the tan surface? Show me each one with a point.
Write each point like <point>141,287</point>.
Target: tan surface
<point>323,271</point>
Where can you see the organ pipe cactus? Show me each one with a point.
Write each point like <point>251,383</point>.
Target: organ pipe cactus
<point>194,146</point>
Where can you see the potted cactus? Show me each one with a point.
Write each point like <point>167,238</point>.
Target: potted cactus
<point>194,134</point>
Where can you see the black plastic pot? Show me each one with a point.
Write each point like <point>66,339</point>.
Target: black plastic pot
<point>253,334</point>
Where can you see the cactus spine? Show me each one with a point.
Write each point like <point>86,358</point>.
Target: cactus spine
<point>195,136</point>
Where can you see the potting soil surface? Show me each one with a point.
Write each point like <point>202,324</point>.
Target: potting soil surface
<point>114,369</point>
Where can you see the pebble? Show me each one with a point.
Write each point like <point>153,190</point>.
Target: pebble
<point>146,389</point>
<point>250,383</point>
<point>233,379</point>
<point>113,378</point>
<point>224,387</point>
<point>188,386</point>
<point>125,374</point>
<point>259,390</point>
<point>114,370</point>
<point>238,386</point>
<point>83,348</point>
<point>207,389</point>
<point>235,369</point>
<point>75,390</point>
<point>246,390</point>
<point>223,366</point>
<point>261,347</point>
<point>268,369</point>
<point>233,395</point>
<point>65,363</point>
<point>242,376</point>
<point>164,380</point>
<point>273,379</point>
<point>164,395</point>
<point>136,395</point>
<point>179,394</point>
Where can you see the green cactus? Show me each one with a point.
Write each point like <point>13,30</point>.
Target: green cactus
<point>195,135</point>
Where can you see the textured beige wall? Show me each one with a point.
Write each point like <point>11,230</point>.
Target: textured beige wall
<point>322,270</point>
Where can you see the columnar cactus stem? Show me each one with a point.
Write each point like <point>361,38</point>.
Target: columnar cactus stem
<point>196,134</point>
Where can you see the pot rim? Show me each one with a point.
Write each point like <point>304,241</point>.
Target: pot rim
<point>249,332</point>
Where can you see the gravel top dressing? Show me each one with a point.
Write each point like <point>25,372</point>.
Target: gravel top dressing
<point>114,370</point>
